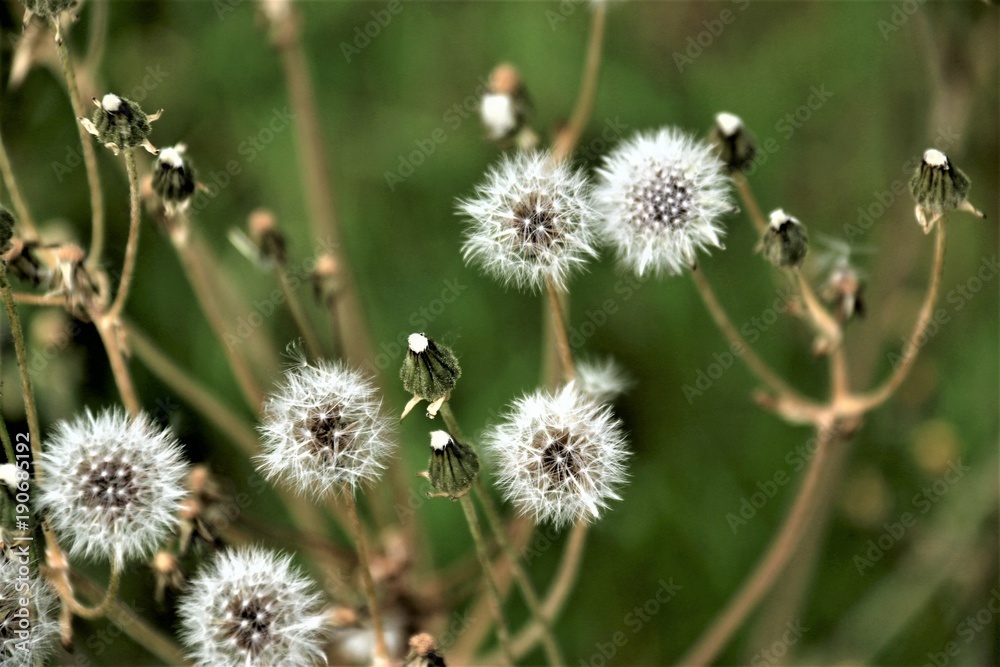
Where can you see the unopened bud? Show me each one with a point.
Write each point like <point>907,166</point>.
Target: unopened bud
<point>785,241</point>
<point>266,236</point>
<point>120,124</point>
<point>939,187</point>
<point>430,371</point>
<point>503,108</point>
<point>736,146</point>
<point>174,178</point>
<point>453,466</point>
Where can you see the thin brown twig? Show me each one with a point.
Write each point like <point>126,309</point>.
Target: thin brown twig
<point>771,564</point>
<point>132,246</point>
<point>381,656</point>
<point>559,329</point>
<point>16,198</point>
<point>750,202</point>
<point>313,347</point>
<point>570,135</point>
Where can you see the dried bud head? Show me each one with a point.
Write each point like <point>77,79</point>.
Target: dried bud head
<point>174,178</point>
<point>453,467</point>
<point>939,187</point>
<point>734,143</point>
<point>120,124</point>
<point>785,241</point>
<point>430,371</point>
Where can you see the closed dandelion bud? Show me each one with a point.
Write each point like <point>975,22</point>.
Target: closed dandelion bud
<point>843,291</point>
<point>113,485</point>
<point>120,124</point>
<point>430,371</point>
<point>326,278</point>
<point>939,187</point>
<point>28,624</point>
<point>252,607</point>
<point>453,466</point>
<point>266,236</point>
<point>662,195</point>
<point>504,107</point>
<point>174,179</point>
<point>423,652</point>
<point>736,146</point>
<point>785,241</point>
<point>6,228</point>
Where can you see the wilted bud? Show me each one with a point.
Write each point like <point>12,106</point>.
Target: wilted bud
<point>453,466</point>
<point>938,187</point>
<point>174,179</point>
<point>736,146</point>
<point>430,371</point>
<point>503,108</point>
<point>844,291</point>
<point>6,228</point>
<point>265,235</point>
<point>120,124</point>
<point>423,652</point>
<point>785,241</point>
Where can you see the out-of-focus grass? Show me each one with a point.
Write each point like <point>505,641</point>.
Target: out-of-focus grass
<point>694,460</point>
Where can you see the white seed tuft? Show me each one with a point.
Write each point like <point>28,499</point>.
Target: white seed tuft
<point>729,124</point>
<point>440,440</point>
<point>171,157</point>
<point>499,115</point>
<point>417,342</point>
<point>935,158</point>
<point>111,102</point>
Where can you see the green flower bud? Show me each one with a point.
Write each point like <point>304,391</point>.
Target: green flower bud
<point>736,146</point>
<point>453,466</point>
<point>174,178</point>
<point>120,124</point>
<point>6,228</point>
<point>785,241</point>
<point>939,187</point>
<point>430,371</point>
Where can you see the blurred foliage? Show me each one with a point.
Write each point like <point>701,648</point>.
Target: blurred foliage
<point>695,461</point>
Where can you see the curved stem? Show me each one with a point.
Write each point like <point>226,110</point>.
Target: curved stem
<point>16,198</point>
<point>30,410</point>
<point>770,566</point>
<point>132,247</point>
<point>555,599</point>
<point>102,607</point>
<point>109,330</point>
<point>825,324</point>
<point>89,156</point>
<point>879,396</point>
<point>381,649</point>
<point>496,603</point>
<point>750,202</point>
<point>564,144</point>
<point>559,327</point>
<point>747,354</point>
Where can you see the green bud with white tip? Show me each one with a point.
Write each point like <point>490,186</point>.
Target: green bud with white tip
<point>453,466</point>
<point>785,241</point>
<point>430,371</point>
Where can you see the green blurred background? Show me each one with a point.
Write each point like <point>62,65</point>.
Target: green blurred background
<point>695,461</point>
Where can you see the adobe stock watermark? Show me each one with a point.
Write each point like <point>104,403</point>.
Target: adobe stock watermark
<point>795,460</point>
<point>967,630</point>
<point>893,531</point>
<point>248,149</point>
<point>958,298</point>
<point>901,13</point>
<point>419,321</point>
<point>155,74</point>
<point>774,654</point>
<point>698,43</point>
<point>634,621</point>
<point>263,309</point>
<point>751,330</point>
<point>884,199</point>
<point>364,34</point>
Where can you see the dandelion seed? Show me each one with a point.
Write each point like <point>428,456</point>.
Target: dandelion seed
<point>662,194</point>
<point>252,607</point>
<point>323,430</point>
<point>603,380</point>
<point>560,457</point>
<point>113,485</point>
<point>531,222</point>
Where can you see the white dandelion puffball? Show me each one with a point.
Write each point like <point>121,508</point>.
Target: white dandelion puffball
<point>28,625</point>
<point>112,484</point>
<point>531,221</point>
<point>252,607</point>
<point>323,430</point>
<point>559,457</point>
<point>603,380</point>
<point>661,195</point>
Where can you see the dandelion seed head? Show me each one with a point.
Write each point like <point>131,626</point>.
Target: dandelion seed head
<point>323,430</point>
<point>531,221</point>
<point>252,607</point>
<point>42,627</point>
<point>113,484</point>
<point>661,195</point>
<point>560,457</point>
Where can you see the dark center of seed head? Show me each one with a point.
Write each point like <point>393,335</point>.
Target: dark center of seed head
<point>536,223</point>
<point>331,433</point>
<point>662,201</point>
<point>559,461</point>
<point>108,485</point>
<point>248,624</point>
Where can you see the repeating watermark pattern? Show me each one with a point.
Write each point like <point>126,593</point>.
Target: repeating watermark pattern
<point>17,624</point>
<point>795,460</point>
<point>363,35</point>
<point>634,621</point>
<point>774,654</point>
<point>901,13</point>
<point>967,630</point>
<point>155,74</point>
<point>697,44</point>
<point>959,298</point>
<point>249,150</point>
<point>883,200</point>
<point>893,531</point>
